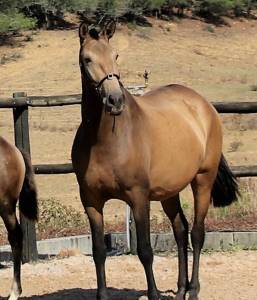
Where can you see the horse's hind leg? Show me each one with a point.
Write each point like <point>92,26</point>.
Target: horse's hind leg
<point>15,240</point>
<point>141,211</point>
<point>201,186</point>
<point>179,223</point>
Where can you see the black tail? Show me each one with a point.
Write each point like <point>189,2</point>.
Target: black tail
<point>28,196</point>
<point>225,188</point>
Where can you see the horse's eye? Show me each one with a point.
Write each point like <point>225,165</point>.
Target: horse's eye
<point>117,56</point>
<point>87,60</point>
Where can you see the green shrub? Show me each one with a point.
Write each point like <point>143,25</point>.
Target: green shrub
<point>213,7</point>
<point>13,21</point>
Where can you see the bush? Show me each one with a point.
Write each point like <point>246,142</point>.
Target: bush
<point>56,216</point>
<point>216,8</point>
<point>219,8</point>
<point>13,21</point>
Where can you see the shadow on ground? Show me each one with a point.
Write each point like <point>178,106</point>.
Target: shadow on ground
<point>90,294</point>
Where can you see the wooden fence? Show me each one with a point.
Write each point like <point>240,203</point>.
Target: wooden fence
<point>20,104</point>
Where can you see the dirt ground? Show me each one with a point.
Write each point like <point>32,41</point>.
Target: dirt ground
<point>223,276</point>
<point>220,63</point>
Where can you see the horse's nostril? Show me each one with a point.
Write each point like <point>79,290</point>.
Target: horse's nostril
<point>111,100</point>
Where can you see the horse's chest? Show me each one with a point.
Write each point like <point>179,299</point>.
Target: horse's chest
<point>101,177</point>
<point>114,176</point>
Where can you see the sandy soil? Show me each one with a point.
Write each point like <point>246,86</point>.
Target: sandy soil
<point>221,65</point>
<point>224,276</point>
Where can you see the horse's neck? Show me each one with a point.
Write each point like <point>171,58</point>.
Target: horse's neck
<point>101,127</point>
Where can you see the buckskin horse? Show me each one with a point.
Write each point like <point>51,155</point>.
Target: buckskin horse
<point>16,182</point>
<point>142,149</point>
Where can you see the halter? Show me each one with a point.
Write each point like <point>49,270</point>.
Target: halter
<point>97,85</point>
<point>109,76</point>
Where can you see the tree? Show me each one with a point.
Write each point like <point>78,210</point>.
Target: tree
<point>218,8</point>
<point>180,5</point>
<point>11,18</point>
<point>113,7</point>
<point>215,8</point>
<point>244,7</point>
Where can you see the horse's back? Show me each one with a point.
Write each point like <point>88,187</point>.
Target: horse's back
<point>180,108</point>
<point>176,97</point>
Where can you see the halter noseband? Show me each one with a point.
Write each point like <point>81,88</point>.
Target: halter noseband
<point>109,76</point>
<point>96,85</point>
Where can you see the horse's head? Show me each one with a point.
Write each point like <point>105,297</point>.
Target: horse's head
<point>98,63</point>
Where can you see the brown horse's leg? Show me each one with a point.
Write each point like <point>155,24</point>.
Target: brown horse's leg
<point>15,240</point>
<point>174,211</point>
<point>141,210</point>
<point>201,187</point>
<point>94,210</point>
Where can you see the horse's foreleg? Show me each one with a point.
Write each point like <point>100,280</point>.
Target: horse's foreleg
<point>140,209</point>
<point>94,210</point>
<point>174,211</point>
<point>201,187</point>
<point>15,240</point>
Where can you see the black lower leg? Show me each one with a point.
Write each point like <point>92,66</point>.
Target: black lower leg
<point>15,240</point>
<point>180,229</point>
<point>144,249</point>
<point>197,237</point>
<point>99,250</point>
<point>99,255</point>
<point>201,187</point>
<point>145,255</point>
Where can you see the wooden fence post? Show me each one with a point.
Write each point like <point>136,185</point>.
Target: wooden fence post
<point>21,134</point>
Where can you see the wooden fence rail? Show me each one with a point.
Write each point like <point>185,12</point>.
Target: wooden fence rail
<point>20,104</point>
<point>51,169</point>
<point>46,101</point>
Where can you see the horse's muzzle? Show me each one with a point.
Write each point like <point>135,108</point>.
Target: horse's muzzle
<point>114,105</point>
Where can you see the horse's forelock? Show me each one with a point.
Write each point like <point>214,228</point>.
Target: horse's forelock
<point>94,33</point>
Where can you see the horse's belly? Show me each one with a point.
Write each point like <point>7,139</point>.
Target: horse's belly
<point>171,175</point>
<point>164,189</point>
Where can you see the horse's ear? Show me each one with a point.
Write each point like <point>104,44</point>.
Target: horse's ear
<point>109,29</point>
<point>83,31</point>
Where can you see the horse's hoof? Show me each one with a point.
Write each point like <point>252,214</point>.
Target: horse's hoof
<point>102,296</point>
<point>14,296</point>
<point>154,296</point>
<point>180,297</point>
<point>193,297</point>
<point>15,292</point>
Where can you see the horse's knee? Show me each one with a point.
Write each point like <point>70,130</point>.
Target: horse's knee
<point>181,226</point>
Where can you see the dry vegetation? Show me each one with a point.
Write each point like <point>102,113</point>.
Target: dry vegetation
<point>218,62</point>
